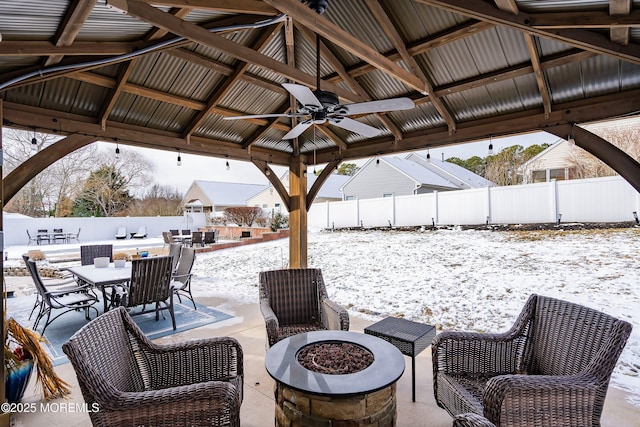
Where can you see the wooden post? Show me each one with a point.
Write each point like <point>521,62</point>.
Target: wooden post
<point>298,214</point>
<point>5,417</point>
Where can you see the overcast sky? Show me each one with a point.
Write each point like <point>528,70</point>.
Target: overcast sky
<point>214,169</point>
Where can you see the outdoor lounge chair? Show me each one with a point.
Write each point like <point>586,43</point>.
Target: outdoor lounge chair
<point>121,233</point>
<point>552,368</point>
<point>50,298</point>
<point>137,382</point>
<point>294,301</point>
<point>181,279</point>
<point>142,233</point>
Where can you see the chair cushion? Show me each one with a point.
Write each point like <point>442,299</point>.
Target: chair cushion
<point>287,331</point>
<point>462,393</point>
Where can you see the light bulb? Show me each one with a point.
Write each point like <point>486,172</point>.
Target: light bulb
<point>490,149</point>
<point>179,163</point>
<point>227,165</point>
<point>117,152</point>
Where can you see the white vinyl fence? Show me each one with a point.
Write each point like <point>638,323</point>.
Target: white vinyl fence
<point>96,228</point>
<point>608,199</point>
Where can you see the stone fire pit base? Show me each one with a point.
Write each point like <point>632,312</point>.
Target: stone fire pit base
<point>299,409</point>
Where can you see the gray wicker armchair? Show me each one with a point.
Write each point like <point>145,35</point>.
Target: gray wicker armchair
<point>135,382</point>
<point>295,301</point>
<point>552,368</point>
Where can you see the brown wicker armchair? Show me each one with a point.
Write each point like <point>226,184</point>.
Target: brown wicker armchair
<point>126,380</point>
<point>552,368</point>
<point>294,301</point>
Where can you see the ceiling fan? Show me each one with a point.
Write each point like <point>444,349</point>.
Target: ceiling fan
<point>319,106</point>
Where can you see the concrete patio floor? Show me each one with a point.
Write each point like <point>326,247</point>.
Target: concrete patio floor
<point>257,410</point>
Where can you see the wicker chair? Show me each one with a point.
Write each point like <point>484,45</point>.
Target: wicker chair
<point>552,368</point>
<point>294,301</point>
<point>135,382</point>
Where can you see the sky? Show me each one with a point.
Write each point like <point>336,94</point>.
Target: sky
<point>214,169</point>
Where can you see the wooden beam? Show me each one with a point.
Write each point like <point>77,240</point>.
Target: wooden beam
<point>255,7</point>
<point>617,9</point>
<point>615,158</point>
<point>193,32</point>
<point>582,111</point>
<point>31,167</point>
<point>390,30</point>
<point>320,180</point>
<point>583,39</point>
<point>335,63</point>
<point>221,91</point>
<point>28,48</point>
<point>72,22</point>
<point>298,227</point>
<point>332,136</point>
<point>346,41</point>
<point>587,19</point>
<point>275,181</point>
<point>24,117</point>
<point>289,42</point>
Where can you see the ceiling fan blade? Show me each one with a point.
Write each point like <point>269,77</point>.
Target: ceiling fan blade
<point>304,95</point>
<point>383,105</point>
<point>262,116</point>
<point>355,126</point>
<point>298,129</point>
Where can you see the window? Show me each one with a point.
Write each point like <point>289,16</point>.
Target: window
<point>387,194</point>
<point>557,174</point>
<point>539,176</point>
<point>349,197</point>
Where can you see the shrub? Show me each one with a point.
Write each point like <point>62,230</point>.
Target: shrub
<point>36,255</point>
<point>120,255</point>
<point>279,221</point>
<point>242,215</point>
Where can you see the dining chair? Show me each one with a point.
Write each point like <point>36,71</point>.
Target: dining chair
<point>174,253</point>
<point>58,234</point>
<point>43,234</point>
<point>89,252</point>
<point>181,279</point>
<point>150,284</point>
<point>50,298</point>
<point>210,237</point>
<point>196,238</point>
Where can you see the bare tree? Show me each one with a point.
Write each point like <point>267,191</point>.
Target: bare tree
<point>158,200</point>
<point>242,215</point>
<point>51,191</point>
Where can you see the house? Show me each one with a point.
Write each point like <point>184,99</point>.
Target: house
<point>269,199</point>
<point>413,174</point>
<point>556,162</point>
<point>214,197</point>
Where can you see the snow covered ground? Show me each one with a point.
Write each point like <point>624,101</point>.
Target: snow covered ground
<point>463,280</point>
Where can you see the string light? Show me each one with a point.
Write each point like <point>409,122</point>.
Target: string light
<point>267,171</point>
<point>227,164</point>
<point>34,142</point>
<point>179,163</point>
<point>117,152</point>
<point>490,145</point>
<point>428,156</point>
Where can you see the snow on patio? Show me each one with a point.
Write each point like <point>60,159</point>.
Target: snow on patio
<point>463,280</point>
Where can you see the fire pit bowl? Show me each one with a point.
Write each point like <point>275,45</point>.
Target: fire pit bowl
<point>305,397</point>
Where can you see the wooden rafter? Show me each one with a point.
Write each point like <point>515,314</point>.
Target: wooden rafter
<point>344,40</point>
<point>256,7</point>
<point>324,175</point>
<point>126,71</point>
<point>220,92</point>
<point>396,39</point>
<point>274,180</point>
<point>511,7</point>
<point>583,39</point>
<point>198,34</point>
<point>72,22</point>
<point>617,10</point>
<point>335,63</point>
<point>622,18</point>
<point>289,42</point>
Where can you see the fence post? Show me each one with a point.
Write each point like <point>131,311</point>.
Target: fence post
<point>327,212</point>
<point>489,219</point>
<point>435,206</point>
<point>393,209</point>
<point>357,212</point>
<point>554,201</point>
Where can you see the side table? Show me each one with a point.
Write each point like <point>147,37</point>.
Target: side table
<point>409,337</point>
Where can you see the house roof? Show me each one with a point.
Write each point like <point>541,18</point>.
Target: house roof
<point>455,174</point>
<point>423,176</point>
<point>543,153</point>
<point>331,188</point>
<point>168,72</point>
<point>228,193</point>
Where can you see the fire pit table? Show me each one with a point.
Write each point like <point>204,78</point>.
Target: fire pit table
<point>310,396</point>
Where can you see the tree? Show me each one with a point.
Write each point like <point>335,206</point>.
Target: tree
<point>158,200</point>
<point>242,215</point>
<point>104,194</point>
<point>348,169</point>
<point>475,164</point>
<point>50,192</point>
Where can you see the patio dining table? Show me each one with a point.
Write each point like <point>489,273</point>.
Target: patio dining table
<point>102,278</point>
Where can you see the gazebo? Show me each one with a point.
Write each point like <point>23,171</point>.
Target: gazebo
<point>165,74</point>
